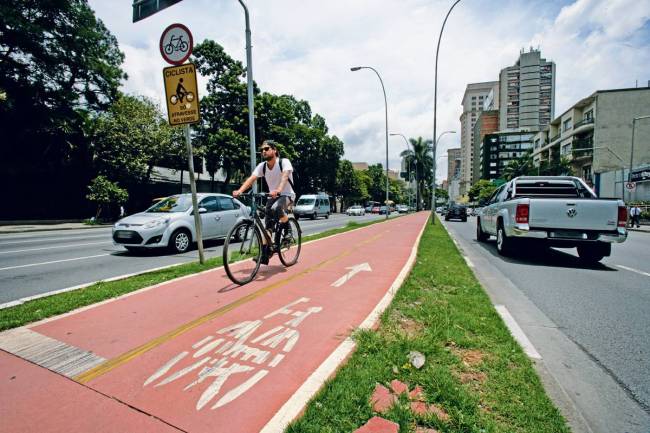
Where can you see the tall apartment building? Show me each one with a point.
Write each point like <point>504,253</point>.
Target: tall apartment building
<point>453,164</point>
<point>473,101</point>
<point>487,123</point>
<point>527,93</point>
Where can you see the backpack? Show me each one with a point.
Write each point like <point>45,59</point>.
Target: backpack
<point>280,162</point>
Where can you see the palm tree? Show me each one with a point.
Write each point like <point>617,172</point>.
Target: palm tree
<point>518,167</point>
<point>420,154</point>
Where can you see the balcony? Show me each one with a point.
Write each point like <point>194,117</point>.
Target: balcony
<point>582,143</point>
<point>555,137</point>
<point>588,121</point>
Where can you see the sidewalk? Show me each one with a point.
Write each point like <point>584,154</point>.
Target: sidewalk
<point>643,228</point>
<point>199,353</point>
<point>22,228</point>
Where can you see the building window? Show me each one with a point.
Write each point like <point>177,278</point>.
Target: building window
<point>566,125</point>
<point>589,114</point>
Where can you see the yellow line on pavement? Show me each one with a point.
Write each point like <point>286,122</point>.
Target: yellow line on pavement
<point>112,364</point>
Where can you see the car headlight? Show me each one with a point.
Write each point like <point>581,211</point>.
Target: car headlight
<point>155,223</point>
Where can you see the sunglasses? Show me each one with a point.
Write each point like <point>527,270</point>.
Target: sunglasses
<point>266,149</point>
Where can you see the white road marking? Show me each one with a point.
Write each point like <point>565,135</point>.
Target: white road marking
<point>517,332</point>
<point>353,271</point>
<point>2,243</point>
<point>51,248</point>
<point>468,261</point>
<point>633,270</point>
<point>55,261</point>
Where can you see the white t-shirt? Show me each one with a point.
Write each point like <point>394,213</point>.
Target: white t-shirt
<point>274,177</point>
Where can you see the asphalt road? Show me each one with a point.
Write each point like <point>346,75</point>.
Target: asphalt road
<point>603,309</point>
<point>41,262</point>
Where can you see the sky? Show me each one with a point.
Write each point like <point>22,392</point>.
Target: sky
<point>305,48</point>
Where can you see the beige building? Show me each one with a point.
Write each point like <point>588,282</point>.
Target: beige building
<point>473,101</point>
<point>527,93</point>
<point>595,134</point>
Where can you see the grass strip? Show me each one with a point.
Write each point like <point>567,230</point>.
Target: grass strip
<point>474,371</point>
<point>50,306</point>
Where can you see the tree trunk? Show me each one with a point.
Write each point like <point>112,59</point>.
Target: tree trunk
<point>212,182</point>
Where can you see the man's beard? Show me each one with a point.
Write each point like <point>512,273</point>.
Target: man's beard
<point>269,157</point>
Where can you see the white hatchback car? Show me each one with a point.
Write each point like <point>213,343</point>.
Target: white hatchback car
<point>355,210</point>
<point>170,222</point>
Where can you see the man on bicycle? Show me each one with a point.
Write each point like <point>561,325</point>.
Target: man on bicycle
<point>278,174</point>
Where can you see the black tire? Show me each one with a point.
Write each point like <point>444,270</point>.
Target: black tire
<point>327,216</point>
<point>464,220</point>
<point>481,236</point>
<point>505,245</point>
<point>133,249</point>
<point>592,254</point>
<point>180,241</point>
<point>241,258</point>
<point>314,216</point>
<point>289,250</point>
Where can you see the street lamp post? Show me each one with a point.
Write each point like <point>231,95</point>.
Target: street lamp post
<point>249,85</point>
<point>435,106</point>
<point>354,69</point>
<point>629,175</point>
<point>408,167</point>
<point>433,186</point>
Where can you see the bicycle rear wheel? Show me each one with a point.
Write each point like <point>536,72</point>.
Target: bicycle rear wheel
<point>290,240</point>
<point>242,251</point>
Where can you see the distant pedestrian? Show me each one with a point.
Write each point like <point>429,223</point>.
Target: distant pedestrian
<point>635,214</point>
<point>122,212</point>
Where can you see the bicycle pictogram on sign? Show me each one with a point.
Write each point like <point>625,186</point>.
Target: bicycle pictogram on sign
<point>176,44</point>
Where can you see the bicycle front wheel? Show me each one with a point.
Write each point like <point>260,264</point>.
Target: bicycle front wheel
<point>290,242</point>
<point>242,251</point>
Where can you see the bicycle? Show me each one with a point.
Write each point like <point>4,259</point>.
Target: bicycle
<point>246,241</point>
<point>176,44</point>
<point>189,97</point>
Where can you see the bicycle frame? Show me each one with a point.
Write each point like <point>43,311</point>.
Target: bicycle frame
<point>254,216</point>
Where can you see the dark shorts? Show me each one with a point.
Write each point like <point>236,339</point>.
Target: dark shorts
<point>276,208</point>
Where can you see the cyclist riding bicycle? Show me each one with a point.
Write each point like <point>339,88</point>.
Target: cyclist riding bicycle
<point>278,173</point>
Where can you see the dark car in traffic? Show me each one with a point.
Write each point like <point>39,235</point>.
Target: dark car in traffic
<point>456,212</point>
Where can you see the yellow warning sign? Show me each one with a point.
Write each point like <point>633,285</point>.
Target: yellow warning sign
<point>181,94</point>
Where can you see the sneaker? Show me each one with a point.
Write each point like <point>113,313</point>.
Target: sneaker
<point>264,259</point>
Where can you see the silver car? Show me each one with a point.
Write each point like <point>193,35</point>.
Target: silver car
<point>170,222</point>
<point>355,210</point>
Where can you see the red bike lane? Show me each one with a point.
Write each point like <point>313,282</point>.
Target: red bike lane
<point>201,354</point>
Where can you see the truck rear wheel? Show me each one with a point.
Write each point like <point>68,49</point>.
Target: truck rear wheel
<point>505,245</point>
<point>592,254</point>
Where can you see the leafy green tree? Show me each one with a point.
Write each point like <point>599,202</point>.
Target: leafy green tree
<point>348,184</point>
<point>442,195</point>
<point>519,167</point>
<point>223,132</point>
<point>482,189</point>
<point>104,193</point>
<point>131,138</point>
<point>58,64</point>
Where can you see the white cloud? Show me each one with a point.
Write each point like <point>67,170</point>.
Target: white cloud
<point>306,47</point>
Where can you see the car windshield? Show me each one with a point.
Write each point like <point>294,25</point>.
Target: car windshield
<point>305,201</point>
<point>175,203</point>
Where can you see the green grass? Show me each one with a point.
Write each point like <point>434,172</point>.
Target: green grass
<point>43,308</point>
<point>441,311</point>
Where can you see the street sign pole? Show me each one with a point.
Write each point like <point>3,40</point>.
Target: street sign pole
<point>249,87</point>
<point>195,205</point>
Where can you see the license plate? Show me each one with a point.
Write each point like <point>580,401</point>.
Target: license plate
<point>568,234</point>
<point>124,235</point>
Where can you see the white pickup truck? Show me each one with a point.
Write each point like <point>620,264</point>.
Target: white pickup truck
<point>558,211</point>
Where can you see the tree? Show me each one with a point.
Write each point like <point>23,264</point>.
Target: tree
<point>442,194</point>
<point>482,189</point>
<point>58,64</point>
<point>131,138</point>
<point>421,157</point>
<point>519,167</point>
<point>348,184</point>
<point>103,192</point>
<point>223,131</point>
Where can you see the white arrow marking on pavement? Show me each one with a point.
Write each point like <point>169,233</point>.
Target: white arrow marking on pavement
<point>353,271</point>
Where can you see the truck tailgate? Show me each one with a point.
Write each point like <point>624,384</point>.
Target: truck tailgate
<point>578,214</point>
